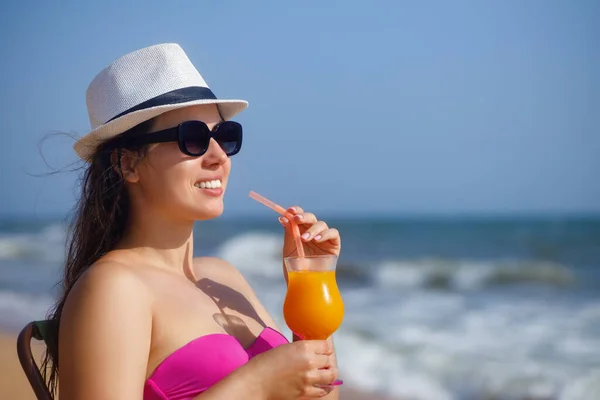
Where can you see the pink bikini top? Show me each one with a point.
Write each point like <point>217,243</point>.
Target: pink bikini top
<point>201,363</point>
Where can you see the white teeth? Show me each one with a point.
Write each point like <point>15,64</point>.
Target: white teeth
<point>214,184</point>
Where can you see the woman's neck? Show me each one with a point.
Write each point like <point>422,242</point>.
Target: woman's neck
<point>164,242</point>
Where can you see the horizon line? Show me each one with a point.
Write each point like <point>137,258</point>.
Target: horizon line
<point>407,215</point>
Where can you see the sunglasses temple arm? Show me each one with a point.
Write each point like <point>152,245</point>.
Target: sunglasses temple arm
<point>167,135</point>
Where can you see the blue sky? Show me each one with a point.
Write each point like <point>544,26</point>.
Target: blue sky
<point>355,107</point>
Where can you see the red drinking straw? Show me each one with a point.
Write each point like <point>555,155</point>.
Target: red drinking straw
<point>282,211</point>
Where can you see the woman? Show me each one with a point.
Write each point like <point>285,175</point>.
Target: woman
<point>140,317</point>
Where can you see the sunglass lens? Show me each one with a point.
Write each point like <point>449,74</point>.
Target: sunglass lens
<point>195,136</point>
<point>229,136</point>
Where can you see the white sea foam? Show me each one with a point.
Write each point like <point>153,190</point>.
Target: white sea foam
<point>47,244</point>
<point>255,253</point>
<point>17,309</point>
<point>467,274</point>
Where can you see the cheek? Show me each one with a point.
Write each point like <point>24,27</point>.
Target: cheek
<point>161,188</point>
<point>165,186</point>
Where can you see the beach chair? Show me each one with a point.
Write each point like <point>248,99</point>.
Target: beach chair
<point>36,330</point>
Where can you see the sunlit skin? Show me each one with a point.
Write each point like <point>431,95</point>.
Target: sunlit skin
<point>162,183</point>
<point>165,202</point>
<point>150,296</point>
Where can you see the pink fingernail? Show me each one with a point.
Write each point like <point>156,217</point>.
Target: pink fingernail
<point>306,235</point>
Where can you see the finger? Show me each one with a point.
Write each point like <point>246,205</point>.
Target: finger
<point>291,230</point>
<point>314,392</point>
<point>329,234</point>
<point>295,210</point>
<point>305,218</point>
<point>315,346</point>
<point>325,376</point>
<point>316,229</point>
<point>321,361</point>
<point>284,220</point>
<point>320,347</point>
<point>328,389</point>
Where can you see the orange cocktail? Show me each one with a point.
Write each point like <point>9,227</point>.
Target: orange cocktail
<point>313,306</point>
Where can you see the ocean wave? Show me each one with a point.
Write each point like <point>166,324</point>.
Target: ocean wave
<point>17,309</point>
<point>259,254</point>
<point>514,351</point>
<point>255,253</point>
<point>47,244</point>
<point>442,371</point>
<point>584,387</point>
<point>465,274</point>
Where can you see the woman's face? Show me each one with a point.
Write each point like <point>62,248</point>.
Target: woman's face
<point>175,184</point>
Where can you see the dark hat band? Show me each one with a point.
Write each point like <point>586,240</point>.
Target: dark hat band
<point>176,96</point>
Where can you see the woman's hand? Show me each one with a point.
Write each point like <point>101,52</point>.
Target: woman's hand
<point>291,371</point>
<point>318,238</point>
<point>297,370</point>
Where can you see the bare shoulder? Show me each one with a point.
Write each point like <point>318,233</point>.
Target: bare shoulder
<point>107,315</point>
<point>107,278</point>
<point>218,269</point>
<point>105,290</point>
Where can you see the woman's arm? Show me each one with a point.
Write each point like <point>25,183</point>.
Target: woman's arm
<point>104,337</point>
<point>243,383</point>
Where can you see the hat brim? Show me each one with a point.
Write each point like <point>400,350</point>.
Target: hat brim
<point>86,146</point>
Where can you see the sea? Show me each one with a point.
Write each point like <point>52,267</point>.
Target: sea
<point>472,308</point>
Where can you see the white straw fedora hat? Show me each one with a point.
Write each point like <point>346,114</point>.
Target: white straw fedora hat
<point>141,85</point>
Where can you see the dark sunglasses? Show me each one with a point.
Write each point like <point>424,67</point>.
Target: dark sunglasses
<point>194,137</point>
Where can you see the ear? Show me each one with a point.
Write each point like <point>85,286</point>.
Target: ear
<point>125,164</point>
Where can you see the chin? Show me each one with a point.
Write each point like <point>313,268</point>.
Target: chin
<point>208,213</point>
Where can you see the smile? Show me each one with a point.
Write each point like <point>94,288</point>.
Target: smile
<point>212,184</point>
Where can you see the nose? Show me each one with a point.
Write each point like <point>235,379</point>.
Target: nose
<point>214,155</point>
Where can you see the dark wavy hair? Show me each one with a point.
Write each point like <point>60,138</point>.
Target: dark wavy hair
<point>99,220</point>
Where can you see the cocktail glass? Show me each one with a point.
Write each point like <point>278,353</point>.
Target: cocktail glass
<point>313,308</point>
